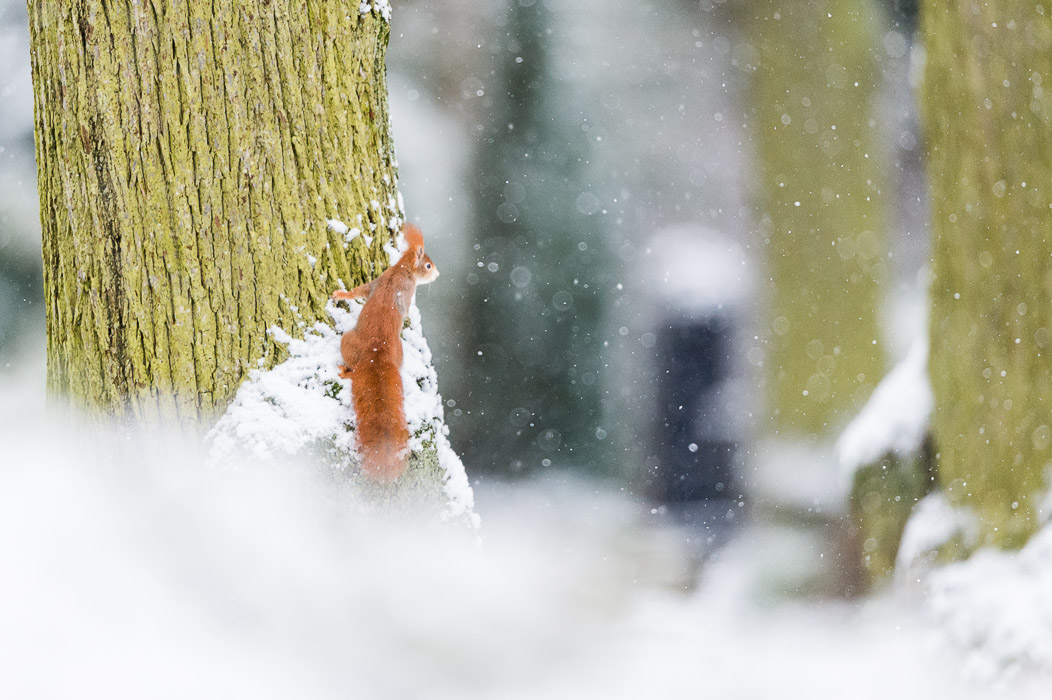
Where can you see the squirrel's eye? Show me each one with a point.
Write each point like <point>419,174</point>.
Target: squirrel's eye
<point>429,266</point>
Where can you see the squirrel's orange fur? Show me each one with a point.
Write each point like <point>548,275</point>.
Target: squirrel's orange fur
<point>372,356</point>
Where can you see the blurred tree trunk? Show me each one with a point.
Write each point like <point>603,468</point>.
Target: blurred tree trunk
<point>535,350</point>
<point>188,157</point>
<point>822,219</point>
<point>988,110</point>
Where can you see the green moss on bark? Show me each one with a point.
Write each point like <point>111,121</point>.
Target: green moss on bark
<point>189,155</point>
<point>988,109</point>
<point>883,496</point>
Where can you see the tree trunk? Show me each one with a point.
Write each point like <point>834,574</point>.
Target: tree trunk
<point>820,201</point>
<point>189,155</point>
<point>988,112</point>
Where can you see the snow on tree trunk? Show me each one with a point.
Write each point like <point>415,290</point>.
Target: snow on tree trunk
<point>189,156</point>
<point>822,224</point>
<point>988,112</point>
<point>886,456</point>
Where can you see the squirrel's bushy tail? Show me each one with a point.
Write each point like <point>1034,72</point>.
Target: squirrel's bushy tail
<point>413,236</point>
<point>376,390</point>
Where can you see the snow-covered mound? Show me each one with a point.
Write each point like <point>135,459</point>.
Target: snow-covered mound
<point>131,570</point>
<point>998,607</point>
<point>302,407</point>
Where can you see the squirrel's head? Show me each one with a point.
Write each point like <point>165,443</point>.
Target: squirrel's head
<point>424,270</point>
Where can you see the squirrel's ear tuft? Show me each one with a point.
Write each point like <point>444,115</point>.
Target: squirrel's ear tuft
<point>413,236</point>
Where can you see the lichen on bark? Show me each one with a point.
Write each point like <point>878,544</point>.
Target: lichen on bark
<point>189,155</point>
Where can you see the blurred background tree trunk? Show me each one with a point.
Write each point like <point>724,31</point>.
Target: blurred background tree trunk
<point>822,218</point>
<point>189,156</point>
<point>534,349</point>
<point>988,112</point>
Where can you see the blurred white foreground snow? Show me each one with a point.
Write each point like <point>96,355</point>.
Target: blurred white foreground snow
<point>129,571</point>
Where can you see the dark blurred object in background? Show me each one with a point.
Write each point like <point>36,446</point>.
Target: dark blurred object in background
<point>904,14</point>
<point>693,449</point>
<point>700,284</point>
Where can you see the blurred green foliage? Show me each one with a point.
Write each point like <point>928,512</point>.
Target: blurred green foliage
<point>534,351</point>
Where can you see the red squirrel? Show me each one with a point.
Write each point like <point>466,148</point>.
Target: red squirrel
<point>372,356</point>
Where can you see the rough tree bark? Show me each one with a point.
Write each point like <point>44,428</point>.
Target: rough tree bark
<point>820,203</point>
<point>988,110</point>
<point>189,155</point>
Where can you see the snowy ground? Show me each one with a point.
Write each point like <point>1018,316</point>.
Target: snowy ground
<point>130,570</point>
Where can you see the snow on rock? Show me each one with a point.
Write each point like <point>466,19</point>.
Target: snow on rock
<point>302,407</point>
<point>997,606</point>
<point>895,419</point>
